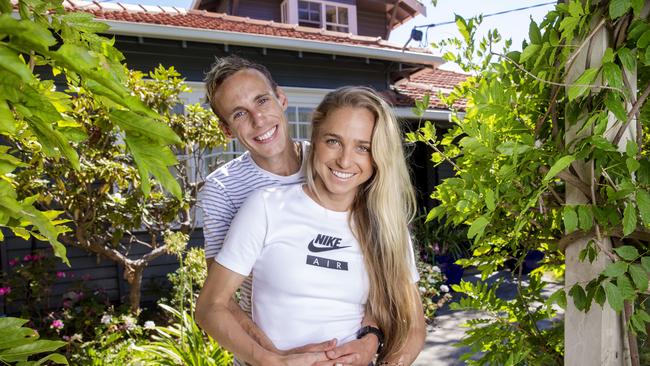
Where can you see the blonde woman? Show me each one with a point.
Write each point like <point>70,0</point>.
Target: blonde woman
<point>326,252</point>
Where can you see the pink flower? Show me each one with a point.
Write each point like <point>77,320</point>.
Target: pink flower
<point>86,277</point>
<point>56,324</point>
<point>13,262</point>
<point>5,290</point>
<point>60,274</point>
<point>27,258</point>
<point>36,257</point>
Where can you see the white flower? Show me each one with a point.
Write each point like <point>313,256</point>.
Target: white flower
<point>444,288</point>
<point>149,324</point>
<point>129,323</point>
<point>422,289</point>
<point>106,319</point>
<point>435,269</point>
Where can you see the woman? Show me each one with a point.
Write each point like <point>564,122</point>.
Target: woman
<point>325,252</point>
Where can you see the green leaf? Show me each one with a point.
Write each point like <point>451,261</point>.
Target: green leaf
<point>629,219</point>
<point>39,346</point>
<point>625,287</point>
<point>615,269</point>
<point>5,6</point>
<point>631,148</point>
<point>613,75</point>
<point>643,175</point>
<point>463,28</point>
<point>582,84</point>
<point>52,357</point>
<point>614,296</point>
<point>7,122</point>
<point>10,322</point>
<point>616,105</point>
<point>10,61</point>
<point>558,297</point>
<point>585,217</point>
<point>639,276</point>
<point>559,166</point>
<point>645,262</point>
<point>512,148</point>
<point>627,252</point>
<point>489,199</point>
<point>618,8</point>
<point>608,56</point>
<point>534,33</point>
<point>579,297</point>
<point>644,40</point>
<point>570,219</point>
<point>477,228</point>
<point>632,165</point>
<point>156,130</point>
<point>643,203</point>
<point>637,6</point>
<point>600,296</point>
<point>628,59</point>
<point>530,51</point>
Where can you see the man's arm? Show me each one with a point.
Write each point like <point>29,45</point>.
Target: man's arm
<point>260,337</point>
<point>214,316</point>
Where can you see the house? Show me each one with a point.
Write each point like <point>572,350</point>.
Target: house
<point>310,47</point>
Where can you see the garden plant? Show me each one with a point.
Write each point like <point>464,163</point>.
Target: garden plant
<point>551,154</point>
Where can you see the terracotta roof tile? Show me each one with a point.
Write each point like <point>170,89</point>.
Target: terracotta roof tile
<point>428,81</point>
<point>218,21</point>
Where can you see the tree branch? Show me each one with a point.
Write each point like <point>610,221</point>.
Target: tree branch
<point>571,179</point>
<point>633,112</point>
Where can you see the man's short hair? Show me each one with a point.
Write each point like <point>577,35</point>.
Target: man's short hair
<point>225,67</point>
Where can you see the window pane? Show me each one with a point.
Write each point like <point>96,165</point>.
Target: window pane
<point>314,7</point>
<point>304,131</point>
<point>330,14</point>
<point>304,114</point>
<point>303,5</point>
<point>291,114</point>
<point>343,16</point>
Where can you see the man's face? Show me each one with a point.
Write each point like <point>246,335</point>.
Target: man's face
<point>254,113</point>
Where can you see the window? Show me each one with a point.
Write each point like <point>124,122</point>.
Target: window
<point>309,14</point>
<point>336,18</point>
<point>320,14</point>
<point>299,122</point>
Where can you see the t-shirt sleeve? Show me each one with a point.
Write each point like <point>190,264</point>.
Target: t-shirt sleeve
<point>218,213</point>
<point>245,239</point>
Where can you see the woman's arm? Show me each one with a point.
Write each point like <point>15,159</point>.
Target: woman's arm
<point>215,317</point>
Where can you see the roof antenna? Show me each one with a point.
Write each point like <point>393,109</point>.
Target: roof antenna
<point>416,35</point>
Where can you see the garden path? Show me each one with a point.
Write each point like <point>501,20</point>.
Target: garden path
<point>447,328</point>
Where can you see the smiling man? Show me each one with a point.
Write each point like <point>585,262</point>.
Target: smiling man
<point>251,107</point>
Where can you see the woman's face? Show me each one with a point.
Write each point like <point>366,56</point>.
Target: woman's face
<point>342,156</point>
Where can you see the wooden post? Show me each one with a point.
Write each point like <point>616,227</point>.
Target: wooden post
<point>596,337</point>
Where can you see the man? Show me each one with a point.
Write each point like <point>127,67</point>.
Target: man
<point>251,107</point>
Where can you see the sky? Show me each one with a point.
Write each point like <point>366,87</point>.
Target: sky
<point>512,25</point>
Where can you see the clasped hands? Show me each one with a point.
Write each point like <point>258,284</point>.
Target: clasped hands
<point>359,352</point>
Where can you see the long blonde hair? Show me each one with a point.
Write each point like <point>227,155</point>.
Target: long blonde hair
<point>380,213</point>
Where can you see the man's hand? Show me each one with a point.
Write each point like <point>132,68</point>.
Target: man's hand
<point>360,352</point>
<point>301,359</point>
<point>311,348</point>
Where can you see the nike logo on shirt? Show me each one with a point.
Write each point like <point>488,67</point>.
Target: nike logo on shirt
<point>324,243</point>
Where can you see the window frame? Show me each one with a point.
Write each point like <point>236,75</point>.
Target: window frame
<point>290,14</point>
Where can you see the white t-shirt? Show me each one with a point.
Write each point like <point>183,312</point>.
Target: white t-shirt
<point>309,279</point>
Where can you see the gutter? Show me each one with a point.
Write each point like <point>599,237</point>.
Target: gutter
<point>264,41</point>
<point>429,114</point>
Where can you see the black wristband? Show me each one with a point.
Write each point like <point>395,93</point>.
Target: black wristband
<point>372,330</point>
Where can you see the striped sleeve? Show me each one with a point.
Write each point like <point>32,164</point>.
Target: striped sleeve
<point>218,212</point>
